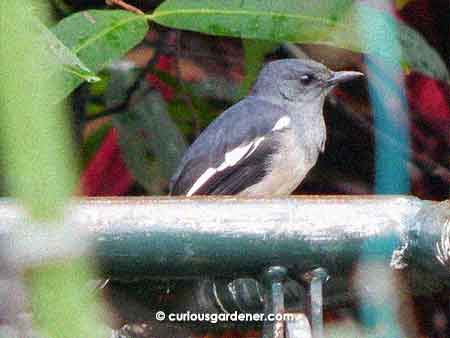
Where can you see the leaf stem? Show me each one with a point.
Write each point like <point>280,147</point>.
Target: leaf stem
<point>124,5</point>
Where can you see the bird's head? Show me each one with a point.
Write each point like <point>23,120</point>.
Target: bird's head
<point>299,81</point>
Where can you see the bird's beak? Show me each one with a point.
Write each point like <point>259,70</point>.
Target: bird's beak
<point>344,76</point>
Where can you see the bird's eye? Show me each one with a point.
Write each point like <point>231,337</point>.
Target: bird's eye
<point>306,79</point>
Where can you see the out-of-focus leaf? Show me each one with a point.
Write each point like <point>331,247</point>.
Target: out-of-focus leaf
<point>36,149</point>
<point>63,7</point>
<point>418,55</point>
<point>194,117</point>
<point>216,89</point>
<point>254,53</point>
<point>329,22</point>
<point>38,163</point>
<point>183,116</point>
<point>211,88</point>
<point>97,38</point>
<point>92,143</point>
<point>150,141</point>
<point>146,129</point>
<point>63,306</point>
<point>43,10</point>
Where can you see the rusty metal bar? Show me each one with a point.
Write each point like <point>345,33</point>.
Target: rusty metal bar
<point>137,238</point>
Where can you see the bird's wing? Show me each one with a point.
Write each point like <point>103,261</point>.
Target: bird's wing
<point>233,153</point>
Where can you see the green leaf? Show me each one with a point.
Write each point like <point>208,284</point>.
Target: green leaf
<point>53,59</point>
<point>330,22</point>
<point>35,136</point>
<point>97,38</point>
<point>419,55</point>
<point>83,74</point>
<point>39,168</point>
<point>151,143</point>
<point>93,142</point>
<point>254,54</point>
<point>290,20</point>
<point>62,305</point>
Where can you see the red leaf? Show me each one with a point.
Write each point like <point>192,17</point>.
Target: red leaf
<point>430,99</point>
<point>106,174</point>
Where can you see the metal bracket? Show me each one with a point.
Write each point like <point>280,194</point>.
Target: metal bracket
<point>273,279</point>
<point>298,326</point>
<point>315,280</point>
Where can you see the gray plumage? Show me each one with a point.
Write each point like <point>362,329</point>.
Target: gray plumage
<point>265,144</point>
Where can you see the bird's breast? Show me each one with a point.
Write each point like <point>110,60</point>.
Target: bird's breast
<point>297,154</point>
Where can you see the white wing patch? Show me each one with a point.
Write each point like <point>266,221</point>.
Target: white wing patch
<point>282,123</point>
<point>256,144</point>
<point>231,158</point>
<point>201,180</point>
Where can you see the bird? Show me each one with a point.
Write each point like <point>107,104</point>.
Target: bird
<point>265,144</point>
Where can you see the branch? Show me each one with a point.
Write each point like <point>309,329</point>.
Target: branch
<point>124,5</point>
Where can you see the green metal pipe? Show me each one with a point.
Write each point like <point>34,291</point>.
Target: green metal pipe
<point>142,238</point>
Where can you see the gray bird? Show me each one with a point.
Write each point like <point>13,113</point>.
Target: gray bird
<point>265,144</point>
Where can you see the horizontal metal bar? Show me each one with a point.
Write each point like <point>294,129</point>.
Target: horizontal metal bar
<point>137,238</point>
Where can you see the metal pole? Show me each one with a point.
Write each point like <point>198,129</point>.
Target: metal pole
<point>137,238</point>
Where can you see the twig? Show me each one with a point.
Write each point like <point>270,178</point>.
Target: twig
<point>124,5</point>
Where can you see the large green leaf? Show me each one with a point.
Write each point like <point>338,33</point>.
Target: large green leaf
<point>97,38</point>
<point>330,22</point>
<point>39,169</point>
<point>290,20</point>
<point>35,137</point>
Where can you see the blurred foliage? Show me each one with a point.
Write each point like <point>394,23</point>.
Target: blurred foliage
<point>255,52</point>
<point>38,161</point>
<point>151,143</point>
<point>93,142</point>
<point>63,307</point>
<point>36,149</point>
